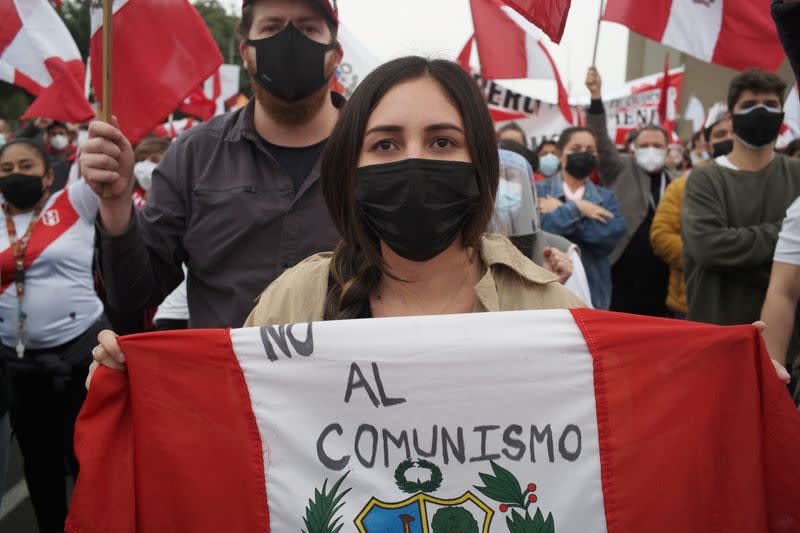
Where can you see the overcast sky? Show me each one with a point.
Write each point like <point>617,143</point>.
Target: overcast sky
<point>392,28</point>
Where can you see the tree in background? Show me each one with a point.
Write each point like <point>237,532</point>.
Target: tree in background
<point>222,26</point>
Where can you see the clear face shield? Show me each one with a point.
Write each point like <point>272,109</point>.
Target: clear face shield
<point>516,214</point>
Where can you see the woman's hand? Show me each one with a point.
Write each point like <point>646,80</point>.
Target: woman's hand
<point>548,204</point>
<point>594,211</point>
<point>107,353</point>
<point>783,375</point>
<point>558,263</point>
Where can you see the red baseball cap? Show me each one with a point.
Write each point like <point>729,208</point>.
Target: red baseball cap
<point>328,6</point>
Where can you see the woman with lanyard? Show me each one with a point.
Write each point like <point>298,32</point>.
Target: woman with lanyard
<point>411,190</point>
<point>49,317</point>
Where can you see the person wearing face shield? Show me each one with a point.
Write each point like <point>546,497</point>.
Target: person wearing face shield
<point>639,180</point>
<point>733,208</point>
<point>588,215</point>
<point>516,215</point>
<point>237,198</point>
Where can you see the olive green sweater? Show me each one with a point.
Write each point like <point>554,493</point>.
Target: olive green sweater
<point>730,222</point>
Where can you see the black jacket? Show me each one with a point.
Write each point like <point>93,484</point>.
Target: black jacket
<point>787,19</point>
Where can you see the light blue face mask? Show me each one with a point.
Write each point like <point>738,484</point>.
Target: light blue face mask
<point>509,197</point>
<point>2,139</point>
<point>549,165</point>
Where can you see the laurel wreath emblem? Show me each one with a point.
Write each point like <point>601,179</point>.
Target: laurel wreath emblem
<point>412,487</point>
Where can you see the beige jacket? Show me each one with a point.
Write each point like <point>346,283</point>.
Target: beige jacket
<point>511,282</point>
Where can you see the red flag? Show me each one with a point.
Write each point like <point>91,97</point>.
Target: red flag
<point>735,33</point>
<point>38,54</point>
<point>662,103</point>
<point>198,104</point>
<point>548,15</point>
<point>162,52</point>
<point>465,55</point>
<point>510,48</point>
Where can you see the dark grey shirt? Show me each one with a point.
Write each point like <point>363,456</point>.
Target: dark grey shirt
<point>222,204</point>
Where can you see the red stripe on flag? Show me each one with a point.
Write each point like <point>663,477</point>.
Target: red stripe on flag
<point>701,440</point>
<point>501,43</point>
<point>550,16</point>
<point>11,23</point>
<point>27,83</point>
<point>42,237</point>
<point>748,37</point>
<point>202,398</point>
<point>563,97</point>
<point>64,99</point>
<point>648,18</point>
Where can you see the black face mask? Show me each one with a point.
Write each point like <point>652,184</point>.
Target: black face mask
<point>580,164</point>
<point>22,190</point>
<point>290,65</point>
<point>758,126</point>
<point>417,207</point>
<point>722,148</point>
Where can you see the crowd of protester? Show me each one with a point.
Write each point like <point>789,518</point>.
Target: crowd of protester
<point>333,210</point>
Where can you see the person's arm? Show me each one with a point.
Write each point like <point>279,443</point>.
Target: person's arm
<point>708,238</point>
<point>563,220</point>
<point>780,307</point>
<point>609,162</point>
<point>139,258</point>
<point>786,14</point>
<point>665,232</point>
<point>604,236</point>
<point>578,283</point>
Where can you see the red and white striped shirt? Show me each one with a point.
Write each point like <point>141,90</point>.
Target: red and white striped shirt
<point>60,301</point>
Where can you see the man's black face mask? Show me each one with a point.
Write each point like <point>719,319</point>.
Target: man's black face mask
<point>289,65</point>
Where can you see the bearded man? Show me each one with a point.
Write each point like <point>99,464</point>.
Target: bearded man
<point>236,199</point>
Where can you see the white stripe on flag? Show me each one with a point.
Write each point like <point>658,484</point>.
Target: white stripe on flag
<point>42,36</point>
<point>694,27</point>
<point>518,387</point>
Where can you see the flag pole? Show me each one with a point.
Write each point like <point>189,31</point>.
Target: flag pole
<point>597,33</point>
<point>105,111</point>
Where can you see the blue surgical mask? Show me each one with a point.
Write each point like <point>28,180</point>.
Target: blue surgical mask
<point>2,139</point>
<point>549,165</point>
<point>509,197</point>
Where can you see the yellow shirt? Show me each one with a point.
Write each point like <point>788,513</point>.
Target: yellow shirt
<point>511,282</point>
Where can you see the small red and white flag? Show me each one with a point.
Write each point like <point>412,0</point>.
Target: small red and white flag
<point>510,47</point>
<point>162,52</point>
<point>38,54</point>
<point>739,34</point>
<point>534,421</point>
<point>208,100</point>
<point>548,15</point>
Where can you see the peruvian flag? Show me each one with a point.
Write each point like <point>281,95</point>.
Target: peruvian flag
<point>510,47</point>
<point>38,54</point>
<point>548,15</point>
<point>162,52</point>
<point>208,100</point>
<point>532,421</point>
<point>734,33</point>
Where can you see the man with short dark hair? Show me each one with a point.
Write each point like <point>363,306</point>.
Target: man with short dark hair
<point>733,208</point>
<point>238,198</point>
<point>639,277</point>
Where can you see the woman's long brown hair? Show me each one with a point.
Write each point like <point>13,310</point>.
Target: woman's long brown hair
<point>357,265</point>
